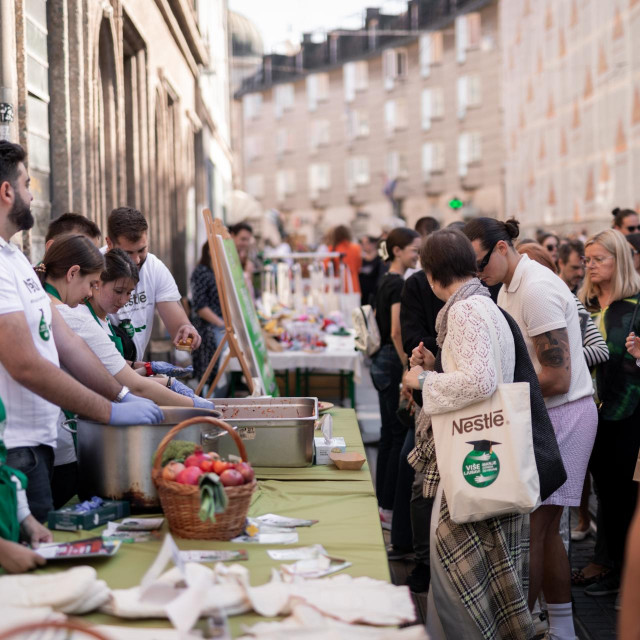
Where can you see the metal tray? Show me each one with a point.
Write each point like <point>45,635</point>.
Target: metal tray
<point>277,432</point>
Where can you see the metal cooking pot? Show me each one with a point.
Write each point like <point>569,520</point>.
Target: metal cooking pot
<point>115,462</point>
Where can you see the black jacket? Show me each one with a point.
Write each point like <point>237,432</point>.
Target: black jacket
<point>419,308</point>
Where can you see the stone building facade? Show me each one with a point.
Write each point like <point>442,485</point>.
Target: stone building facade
<point>407,108</point>
<point>572,110</point>
<point>120,102</point>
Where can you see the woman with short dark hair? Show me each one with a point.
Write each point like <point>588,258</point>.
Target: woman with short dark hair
<point>468,374</point>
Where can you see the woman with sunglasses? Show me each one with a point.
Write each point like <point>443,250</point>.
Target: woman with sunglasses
<point>551,242</point>
<point>625,221</point>
<point>546,312</point>
<point>611,292</point>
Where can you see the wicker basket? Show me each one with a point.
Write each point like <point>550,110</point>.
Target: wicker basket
<point>181,502</point>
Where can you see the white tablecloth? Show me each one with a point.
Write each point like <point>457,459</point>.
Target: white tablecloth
<point>340,355</point>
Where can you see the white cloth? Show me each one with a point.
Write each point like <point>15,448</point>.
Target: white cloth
<point>76,590</point>
<point>350,600</point>
<point>83,324</point>
<point>156,285</point>
<point>540,301</point>
<point>31,420</point>
<point>340,355</point>
<point>307,622</point>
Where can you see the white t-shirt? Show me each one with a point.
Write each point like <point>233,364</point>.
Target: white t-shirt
<point>156,285</point>
<point>31,420</point>
<point>83,324</point>
<point>540,301</point>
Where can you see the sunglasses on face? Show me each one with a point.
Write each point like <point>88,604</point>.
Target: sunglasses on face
<point>633,228</point>
<point>485,261</point>
<point>550,247</point>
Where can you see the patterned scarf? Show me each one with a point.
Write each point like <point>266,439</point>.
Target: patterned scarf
<point>471,288</point>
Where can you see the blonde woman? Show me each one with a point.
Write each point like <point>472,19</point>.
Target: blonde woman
<point>610,292</point>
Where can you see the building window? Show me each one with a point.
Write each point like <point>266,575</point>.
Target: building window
<point>317,89</point>
<point>396,165</point>
<point>252,148</point>
<point>319,134</point>
<point>283,141</point>
<point>319,178</point>
<point>254,186</point>
<point>395,66</point>
<point>469,151</point>
<point>356,78</point>
<point>357,172</point>
<point>433,159</point>
<point>284,95</point>
<point>357,124</point>
<point>468,34</point>
<point>252,105</point>
<point>432,106</point>
<point>395,115</point>
<point>431,51</point>
<point>37,80</point>
<point>285,184</point>
<point>469,94</point>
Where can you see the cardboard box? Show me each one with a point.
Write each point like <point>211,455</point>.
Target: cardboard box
<point>67,519</point>
<point>323,448</point>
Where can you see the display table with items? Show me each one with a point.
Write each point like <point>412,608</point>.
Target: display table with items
<point>311,552</point>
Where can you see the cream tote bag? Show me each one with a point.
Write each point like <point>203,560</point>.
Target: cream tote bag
<point>485,452</point>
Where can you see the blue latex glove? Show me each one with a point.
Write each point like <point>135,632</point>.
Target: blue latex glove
<point>135,411</point>
<point>201,403</point>
<point>181,388</point>
<point>168,369</point>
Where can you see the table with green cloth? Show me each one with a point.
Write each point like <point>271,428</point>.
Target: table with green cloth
<point>343,502</point>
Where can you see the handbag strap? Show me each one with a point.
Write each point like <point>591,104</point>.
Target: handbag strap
<point>494,341</point>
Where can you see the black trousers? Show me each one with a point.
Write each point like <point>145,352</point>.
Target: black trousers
<point>613,462</point>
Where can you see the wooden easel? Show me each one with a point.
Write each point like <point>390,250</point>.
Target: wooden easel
<point>215,227</point>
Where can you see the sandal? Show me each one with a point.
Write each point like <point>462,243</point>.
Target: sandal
<point>578,577</point>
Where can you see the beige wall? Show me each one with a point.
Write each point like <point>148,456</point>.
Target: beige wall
<point>125,112</point>
<point>572,110</point>
<point>482,188</point>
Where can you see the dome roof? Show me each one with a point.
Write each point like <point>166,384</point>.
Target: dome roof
<point>245,37</point>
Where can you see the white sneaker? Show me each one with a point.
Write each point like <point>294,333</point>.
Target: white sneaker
<point>578,534</point>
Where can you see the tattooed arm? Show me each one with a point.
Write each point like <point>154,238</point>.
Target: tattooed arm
<point>552,350</point>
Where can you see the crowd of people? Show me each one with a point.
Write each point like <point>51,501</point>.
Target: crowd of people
<point>564,314</point>
<point>484,307</point>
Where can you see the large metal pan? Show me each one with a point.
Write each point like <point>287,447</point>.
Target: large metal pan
<point>115,462</point>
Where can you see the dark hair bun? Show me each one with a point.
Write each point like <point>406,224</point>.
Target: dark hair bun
<point>615,212</point>
<point>512,227</point>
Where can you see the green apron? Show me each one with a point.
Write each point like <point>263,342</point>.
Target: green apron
<point>115,338</point>
<point>9,525</point>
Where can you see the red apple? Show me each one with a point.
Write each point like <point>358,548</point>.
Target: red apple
<point>189,475</point>
<point>171,470</point>
<point>194,459</point>
<point>231,478</point>
<point>246,470</point>
<point>206,464</point>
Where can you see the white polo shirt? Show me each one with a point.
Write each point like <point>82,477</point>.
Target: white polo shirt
<point>31,420</point>
<point>540,301</point>
<point>156,285</point>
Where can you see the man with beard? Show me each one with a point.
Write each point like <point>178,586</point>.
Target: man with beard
<point>34,341</point>
<point>127,229</point>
